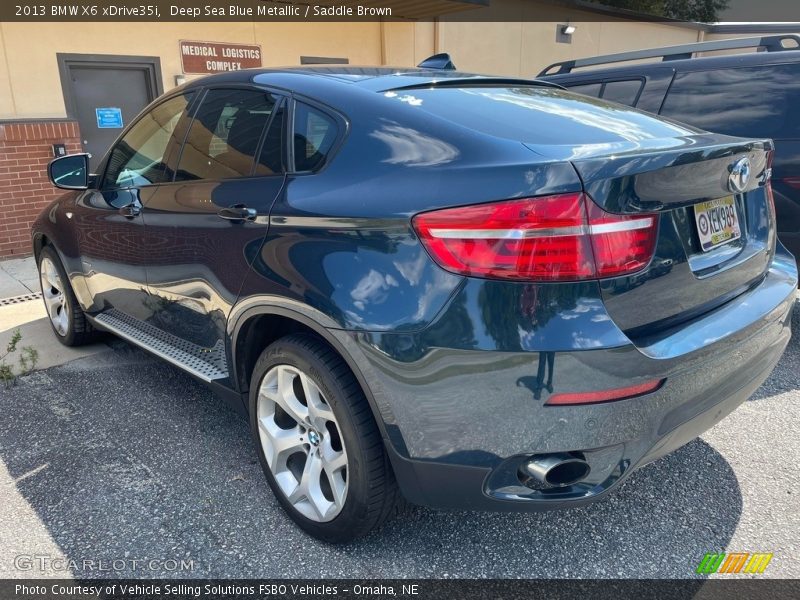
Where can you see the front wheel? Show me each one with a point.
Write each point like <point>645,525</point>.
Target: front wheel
<point>317,441</point>
<point>66,316</point>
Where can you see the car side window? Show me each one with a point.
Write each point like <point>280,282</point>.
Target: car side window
<point>314,135</point>
<point>139,158</point>
<point>271,159</point>
<point>224,135</point>
<point>624,92</point>
<point>744,101</point>
<point>587,89</point>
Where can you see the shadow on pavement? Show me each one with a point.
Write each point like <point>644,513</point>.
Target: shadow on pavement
<point>125,458</point>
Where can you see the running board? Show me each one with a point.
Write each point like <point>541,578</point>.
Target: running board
<point>207,364</point>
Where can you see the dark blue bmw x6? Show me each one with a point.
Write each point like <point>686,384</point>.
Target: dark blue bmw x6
<point>464,291</point>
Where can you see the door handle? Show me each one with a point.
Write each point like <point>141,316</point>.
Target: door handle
<point>130,211</point>
<point>238,212</point>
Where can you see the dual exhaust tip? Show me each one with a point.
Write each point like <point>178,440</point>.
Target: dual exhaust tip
<point>559,469</point>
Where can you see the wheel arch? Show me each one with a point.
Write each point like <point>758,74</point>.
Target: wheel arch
<point>40,240</point>
<point>269,320</point>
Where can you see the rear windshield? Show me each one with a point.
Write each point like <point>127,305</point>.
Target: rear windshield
<point>539,115</point>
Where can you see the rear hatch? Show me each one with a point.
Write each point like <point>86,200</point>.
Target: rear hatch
<point>715,232</point>
<point>635,163</point>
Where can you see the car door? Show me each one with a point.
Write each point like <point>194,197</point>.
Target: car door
<point>216,212</point>
<point>111,234</point>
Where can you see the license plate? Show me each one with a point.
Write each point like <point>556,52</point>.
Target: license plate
<point>717,222</point>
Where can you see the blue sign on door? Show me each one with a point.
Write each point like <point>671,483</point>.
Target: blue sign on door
<point>109,118</point>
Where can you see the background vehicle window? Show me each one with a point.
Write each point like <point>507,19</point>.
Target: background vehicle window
<point>624,92</point>
<point>314,134</point>
<point>588,89</point>
<point>271,160</point>
<point>224,135</point>
<point>747,101</point>
<point>139,157</point>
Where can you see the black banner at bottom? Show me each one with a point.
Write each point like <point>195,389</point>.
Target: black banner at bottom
<point>425,589</point>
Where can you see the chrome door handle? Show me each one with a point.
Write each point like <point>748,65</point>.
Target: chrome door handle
<point>238,212</point>
<point>130,211</point>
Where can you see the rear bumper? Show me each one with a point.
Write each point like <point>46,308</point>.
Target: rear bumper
<point>460,422</point>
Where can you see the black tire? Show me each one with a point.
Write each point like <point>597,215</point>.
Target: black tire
<point>372,494</point>
<point>78,329</point>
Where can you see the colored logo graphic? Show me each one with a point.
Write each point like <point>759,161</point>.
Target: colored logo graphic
<point>734,562</point>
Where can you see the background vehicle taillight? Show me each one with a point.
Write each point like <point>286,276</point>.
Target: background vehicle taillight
<point>549,238</point>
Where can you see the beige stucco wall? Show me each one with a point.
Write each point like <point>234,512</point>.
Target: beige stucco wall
<point>522,46</point>
<point>6,97</point>
<point>29,69</point>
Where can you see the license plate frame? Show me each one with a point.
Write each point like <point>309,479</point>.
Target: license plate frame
<point>717,222</point>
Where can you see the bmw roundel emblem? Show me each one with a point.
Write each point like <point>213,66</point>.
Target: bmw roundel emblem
<point>739,176</point>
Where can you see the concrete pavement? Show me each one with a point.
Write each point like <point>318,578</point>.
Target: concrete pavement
<point>18,277</point>
<point>121,456</point>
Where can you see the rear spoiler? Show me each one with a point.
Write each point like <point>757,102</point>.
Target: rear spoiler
<point>477,81</point>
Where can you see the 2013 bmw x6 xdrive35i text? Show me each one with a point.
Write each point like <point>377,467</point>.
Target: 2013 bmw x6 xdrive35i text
<point>460,290</point>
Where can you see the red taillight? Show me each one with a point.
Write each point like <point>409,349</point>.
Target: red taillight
<point>549,238</point>
<point>606,395</point>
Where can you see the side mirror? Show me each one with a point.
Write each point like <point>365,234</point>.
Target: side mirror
<point>70,172</point>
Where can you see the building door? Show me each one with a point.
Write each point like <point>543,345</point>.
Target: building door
<point>105,93</point>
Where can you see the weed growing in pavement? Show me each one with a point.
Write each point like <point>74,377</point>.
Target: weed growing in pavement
<point>28,358</point>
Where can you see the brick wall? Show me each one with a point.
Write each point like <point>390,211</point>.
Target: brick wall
<point>25,150</point>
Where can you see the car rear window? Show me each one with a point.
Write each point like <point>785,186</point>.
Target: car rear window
<point>538,115</point>
<point>314,135</point>
<point>746,101</point>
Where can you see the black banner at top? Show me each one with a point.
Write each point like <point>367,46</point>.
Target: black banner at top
<point>778,12</point>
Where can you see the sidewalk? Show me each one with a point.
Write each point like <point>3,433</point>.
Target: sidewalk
<point>19,280</point>
<point>18,277</point>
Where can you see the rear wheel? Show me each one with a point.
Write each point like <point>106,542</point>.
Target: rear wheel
<point>317,441</point>
<point>66,316</point>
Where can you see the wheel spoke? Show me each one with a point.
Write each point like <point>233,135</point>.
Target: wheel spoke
<point>332,460</point>
<point>53,301</point>
<point>286,397</point>
<point>334,463</point>
<point>318,411</point>
<point>53,296</point>
<point>280,443</point>
<point>308,496</point>
<point>277,389</point>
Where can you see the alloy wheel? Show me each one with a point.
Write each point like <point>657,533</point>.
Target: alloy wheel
<point>53,292</point>
<point>302,443</point>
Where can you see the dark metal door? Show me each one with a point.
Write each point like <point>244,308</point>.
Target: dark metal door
<point>105,93</point>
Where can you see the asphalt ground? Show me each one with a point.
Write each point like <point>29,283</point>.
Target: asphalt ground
<point>120,460</point>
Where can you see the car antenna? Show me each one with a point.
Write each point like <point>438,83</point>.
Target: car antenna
<point>438,61</point>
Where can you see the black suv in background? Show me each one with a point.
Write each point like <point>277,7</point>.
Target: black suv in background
<point>748,95</point>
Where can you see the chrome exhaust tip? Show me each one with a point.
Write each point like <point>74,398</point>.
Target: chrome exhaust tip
<point>557,470</point>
